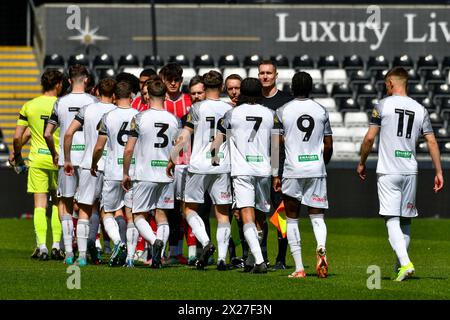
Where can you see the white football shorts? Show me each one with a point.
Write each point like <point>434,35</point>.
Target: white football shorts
<point>90,187</point>
<point>180,174</point>
<point>112,195</point>
<point>217,185</point>
<point>311,192</point>
<point>67,185</point>
<point>397,195</point>
<point>249,191</point>
<point>152,195</point>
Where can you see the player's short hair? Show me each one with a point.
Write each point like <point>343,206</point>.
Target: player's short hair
<point>171,71</point>
<point>213,79</point>
<point>151,78</point>
<point>399,73</point>
<point>123,90</point>
<point>131,79</point>
<point>233,76</point>
<point>156,88</point>
<point>65,85</point>
<point>196,80</point>
<point>106,87</point>
<point>147,72</point>
<point>271,62</point>
<point>251,91</point>
<point>90,85</point>
<point>302,84</point>
<point>77,72</point>
<point>50,78</point>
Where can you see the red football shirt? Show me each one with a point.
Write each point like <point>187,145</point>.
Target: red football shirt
<point>179,107</point>
<point>138,105</point>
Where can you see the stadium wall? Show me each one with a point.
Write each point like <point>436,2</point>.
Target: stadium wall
<point>348,196</point>
<point>247,29</point>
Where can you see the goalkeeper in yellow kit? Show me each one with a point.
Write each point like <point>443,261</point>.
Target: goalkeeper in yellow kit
<point>42,173</point>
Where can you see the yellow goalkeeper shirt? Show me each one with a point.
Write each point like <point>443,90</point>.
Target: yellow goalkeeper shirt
<point>35,114</point>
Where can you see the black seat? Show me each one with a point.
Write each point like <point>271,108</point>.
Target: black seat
<point>129,60</point>
<point>365,94</point>
<point>413,76</point>
<point>104,61</point>
<point>303,62</point>
<point>353,62</point>
<point>319,90</point>
<point>78,59</point>
<point>341,90</point>
<point>417,91</point>
<point>421,147</point>
<point>404,61</point>
<point>204,60</point>
<point>180,59</point>
<point>377,63</point>
<point>328,62</point>
<point>228,60</point>
<point>152,61</point>
<point>286,88</point>
<point>445,65</point>
<point>358,78</point>
<point>428,62</point>
<point>433,78</point>
<point>444,104</point>
<point>441,93</point>
<point>445,147</point>
<point>102,73</point>
<point>252,61</point>
<point>347,105</point>
<point>426,102</point>
<point>281,61</point>
<point>54,61</point>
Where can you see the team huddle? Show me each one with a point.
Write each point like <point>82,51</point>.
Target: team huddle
<point>150,165</point>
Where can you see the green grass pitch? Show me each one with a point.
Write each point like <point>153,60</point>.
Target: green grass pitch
<point>353,245</point>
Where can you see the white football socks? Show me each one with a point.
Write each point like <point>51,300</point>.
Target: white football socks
<point>67,229</point>
<point>294,240</point>
<point>144,229</point>
<point>251,235</point>
<point>198,228</point>
<point>82,236</point>
<point>397,240</point>
<point>192,251</point>
<point>162,233</point>
<point>319,228</point>
<point>223,237</point>
<point>112,229</point>
<point>132,238</point>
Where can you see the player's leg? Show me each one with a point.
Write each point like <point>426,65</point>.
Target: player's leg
<point>56,253</point>
<point>132,236</point>
<point>162,234</point>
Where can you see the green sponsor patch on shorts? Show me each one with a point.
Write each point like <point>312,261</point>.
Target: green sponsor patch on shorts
<point>403,154</point>
<point>249,158</point>
<point>44,151</point>
<point>105,152</point>
<point>120,160</point>
<point>78,147</point>
<point>308,157</point>
<point>208,155</point>
<point>159,163</point>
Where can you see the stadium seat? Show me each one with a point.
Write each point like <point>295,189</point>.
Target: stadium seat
<point>413,76</point>
<point>445,147</point>
<point>252,61</point>
<point>377,63</point>
<point>285,74</point>
<point>366,93</point>
<point>253,72</point>
<point>436,119</point>
<point>128,61</point>
<point>180,59</point>
<point>344,150</point>
<point>404,61</point>
<point>103,73</point>
<point>331,76</point>
<point>136,71</point>
<point>202,70</point>
<point>286,88</point>
<point>281,61</point>
<point>328,103</point>
<point>328,62</point>
<point>353,62</point>
<point>54,61</point>
<point>319,90</point>
<point>203,61</point>
<point>421,147</point>
<point>104,61</point>
<point>426,102</point>
<point>369,104</point>
<point>428,62</point>
<point>440,93</point>
<point>357,78</point>
<point>417,91</point>
<point>188,74</point>
<point>433,78</point>
<point>78,59</point>
<point>152,61</point>
<point>336,119</point>
<point>356,119</point>
<point>341,92</point>
<point>315,74</point>
<point>228,61</point>
<point>445,67</point>
<point>358,133</point>
<point>303,62</point>
<point>341,134</point>
<point>348,104</point>
<point>234,70</point>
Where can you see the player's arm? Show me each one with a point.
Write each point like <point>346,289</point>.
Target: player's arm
<point>327,148</point>
<point>277,151</point>
<point>16,157</point>
<point>49,130</point>
<point>182,140</point>
<point>366,148</point>
<point>433,149</point>
<point>218,141</point>
<point>127,155</point>
<point>75,125</point>
<point>98,152</point>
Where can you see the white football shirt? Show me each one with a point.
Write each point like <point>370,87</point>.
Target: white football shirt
<point>116,126</point>
<point>204,117</point>
<point>64,111</point>
<point>402,120</point>
<point>90,116</point>
<point>250,128</point>
<point>305,123</point>
<point>156,132</point>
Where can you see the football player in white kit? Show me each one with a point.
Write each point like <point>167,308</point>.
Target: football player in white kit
<point>113,131</point>
<point>249,127</point>
<point>151,139</point>
<point>306,128</point>
<point>202,176</point>
<point>63,113</point>
<point>400,121</point>
<point>89,193</point>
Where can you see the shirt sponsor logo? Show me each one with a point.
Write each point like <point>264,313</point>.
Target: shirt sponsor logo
<point>44,151</point>
<point>225,195</point>
<point>78,147</point>
<point>249,158</point>
<point>403,154</point>
<point>410,205</point>
<point>308,157</point>
<point>208,155</point>
<point>120,160</point>
<point>317,198</point>
<point>159,163</point>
